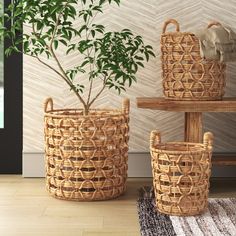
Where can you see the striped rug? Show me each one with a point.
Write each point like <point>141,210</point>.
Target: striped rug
<point>218,220</point>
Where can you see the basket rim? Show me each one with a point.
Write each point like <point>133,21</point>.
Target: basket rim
<point>179,33</point>
<point>157,148</point>
<point>75,113</point>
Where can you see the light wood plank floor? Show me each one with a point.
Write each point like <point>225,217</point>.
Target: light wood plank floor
<point>27,210</point>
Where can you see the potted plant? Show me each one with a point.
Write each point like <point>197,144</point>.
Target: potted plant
<point>86,149</point>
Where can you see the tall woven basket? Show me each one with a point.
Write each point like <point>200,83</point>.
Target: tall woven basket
<point>181,173</point>
<point>185,75</point>
<point>86,156</point>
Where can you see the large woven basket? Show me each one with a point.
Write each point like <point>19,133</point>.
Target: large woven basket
<point>86,156</point>
<point>181,173</point>
<point>187,76</point>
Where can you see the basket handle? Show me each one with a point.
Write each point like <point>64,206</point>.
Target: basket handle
<point>126,106</point>
<point>213,23</point>
<point>171,21</point>
<point>155,138</point>
<point>48,103</point>
<point>208,140</point>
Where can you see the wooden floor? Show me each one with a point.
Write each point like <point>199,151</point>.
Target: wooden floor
<point>27,210</point>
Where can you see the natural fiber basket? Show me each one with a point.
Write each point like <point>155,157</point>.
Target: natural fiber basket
<point>187,76</point>
<point>86,155</point>
<point>181,173</point>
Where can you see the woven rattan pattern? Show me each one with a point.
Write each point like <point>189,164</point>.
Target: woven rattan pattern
<point>181,173</point>
<point>86,156</point>
<point>186,76</point>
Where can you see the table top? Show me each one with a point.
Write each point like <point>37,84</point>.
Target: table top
<point>228,104</point>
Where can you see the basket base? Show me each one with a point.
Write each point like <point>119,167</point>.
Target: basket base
<point>193,99</point>
<point>193,213</point>
<point>87,199</point>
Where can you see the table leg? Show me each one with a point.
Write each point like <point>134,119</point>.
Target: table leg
<point>193,127</point>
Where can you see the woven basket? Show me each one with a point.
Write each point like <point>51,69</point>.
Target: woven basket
<point>86,156</point>
<point>181,173</point>
<point>187,76</point>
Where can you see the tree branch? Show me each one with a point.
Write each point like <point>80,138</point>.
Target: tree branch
<point>63,75</point>
<point>67,79</point>
<point>99,93</point>
<point>90,90</point>
<point>44,63</point>
<point>52,68</point>
<point>57,72</point>
<point>56,25</point>
<point>88,23</point>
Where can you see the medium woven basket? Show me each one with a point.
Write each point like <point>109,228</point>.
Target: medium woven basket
<point>181,173</point>
<point>86,156</point>
<point>187,76</point>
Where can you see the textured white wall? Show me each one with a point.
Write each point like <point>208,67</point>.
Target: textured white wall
<point>144,17</point>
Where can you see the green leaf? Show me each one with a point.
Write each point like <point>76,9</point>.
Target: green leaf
<point>55,42</point>
<point>140,64</point>
<point>26,46</point>
<point>101,2</point>
<point>85,17</point>
<point>71,48</point>
<point>151,53</point>
<point>84,27</point>
<point>139,58</point>
<point>93,33</point>
<point>118,75</point>
<point>39,25</point>
<point>63,42</point>
<point>146,55</point>
<point>84,63</point>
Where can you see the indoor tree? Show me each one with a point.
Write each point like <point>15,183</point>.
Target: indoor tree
<point>111,57</point>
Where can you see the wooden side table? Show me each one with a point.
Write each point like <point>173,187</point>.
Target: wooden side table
<point>193,116</point>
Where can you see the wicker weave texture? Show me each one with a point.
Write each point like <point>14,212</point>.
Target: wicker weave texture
<point>187,76</point>
<point>86,156</point>
<point>181,173</point>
